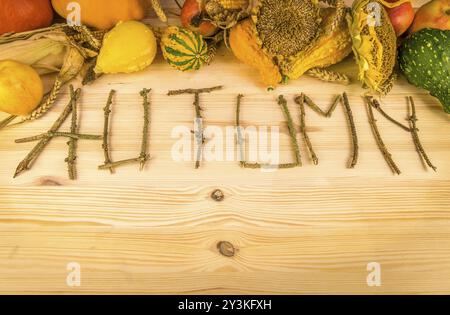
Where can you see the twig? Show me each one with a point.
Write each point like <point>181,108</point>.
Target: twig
<point>377,106</point>
<point>76,136</point>
<point>355,146</point>
<point>240,138</point>
<point>268,166</point>
<point>6,121</point>
<point>144,156</point>
<point>283,166</point>
<point>238,109</point>
<point>178,4</point>
<point>292,132</point>
<point>37,150</point>
<point>72,143</point>
<point>173,12</point>
<point>144,149</point>
<point>194,91</point>
<point>283,104</point>
<point>199,132</point>
<point>413,124</point>
<point>318,110</point>
<point>113,165</point>
<point>301,102</point>
<point>105,146</point>
<point>387,156</point>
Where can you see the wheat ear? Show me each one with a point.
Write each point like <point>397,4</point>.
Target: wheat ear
<point>329,76</point>
<point>159,10</point>
<point>47,104</point>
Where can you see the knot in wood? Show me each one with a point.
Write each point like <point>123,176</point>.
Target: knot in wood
<point>226,249</point>
<point>218,195</point>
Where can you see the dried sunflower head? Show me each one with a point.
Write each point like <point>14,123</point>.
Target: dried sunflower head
<point>285,28</point>
<point>284,39</point>
<point>332,45</point>
<point>374,45</point>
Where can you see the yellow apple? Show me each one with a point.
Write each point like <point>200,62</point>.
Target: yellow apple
<point>21,88</point>
<point>434,14</point>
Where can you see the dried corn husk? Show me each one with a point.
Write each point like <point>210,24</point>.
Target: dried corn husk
<point>44,51</point>
<point>58,49</point>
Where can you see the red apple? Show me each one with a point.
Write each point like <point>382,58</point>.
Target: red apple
<point>434,14</point>
<point>401,16</point>
<point>193,19</point>
<point>24,15</point>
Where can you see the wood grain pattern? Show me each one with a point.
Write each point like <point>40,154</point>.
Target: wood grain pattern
<point>307,230</point>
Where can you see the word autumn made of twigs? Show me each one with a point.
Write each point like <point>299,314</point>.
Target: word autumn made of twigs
<point>74,136</point>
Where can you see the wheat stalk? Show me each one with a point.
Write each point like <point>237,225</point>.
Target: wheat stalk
<point>159,10</point>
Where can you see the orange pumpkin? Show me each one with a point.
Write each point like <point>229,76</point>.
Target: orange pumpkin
<point>103,14</point>
<point>24,15</point>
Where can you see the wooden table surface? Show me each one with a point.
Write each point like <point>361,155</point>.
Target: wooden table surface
<point>307,230</point>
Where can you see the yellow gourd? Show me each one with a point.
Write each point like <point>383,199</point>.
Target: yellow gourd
<point>129,47</point>
<point>21,88</point>
<point>103,14</point>
<point>245,47</point>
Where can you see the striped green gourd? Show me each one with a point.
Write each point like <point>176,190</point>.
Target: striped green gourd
<point>183,49</point>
